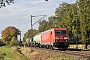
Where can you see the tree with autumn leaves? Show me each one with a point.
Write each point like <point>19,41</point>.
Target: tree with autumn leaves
<point>8,33</point>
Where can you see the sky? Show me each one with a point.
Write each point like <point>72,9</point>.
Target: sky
<point>19,14</point>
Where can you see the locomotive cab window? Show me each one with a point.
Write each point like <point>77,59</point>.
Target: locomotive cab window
<point>63,31</point>
<point>60,31</point>
<point>57,31</point>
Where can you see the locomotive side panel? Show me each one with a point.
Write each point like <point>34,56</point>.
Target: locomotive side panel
<point>46,38</point>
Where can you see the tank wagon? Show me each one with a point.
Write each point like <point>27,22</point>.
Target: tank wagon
<point>34,41</point>
<point>37,39</point>
<point>28,40</point>
<point>53,38</point>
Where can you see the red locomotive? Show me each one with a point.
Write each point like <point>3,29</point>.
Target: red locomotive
<point>55,37</point>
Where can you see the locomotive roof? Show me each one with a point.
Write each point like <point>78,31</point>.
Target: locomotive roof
<point>48,31</point>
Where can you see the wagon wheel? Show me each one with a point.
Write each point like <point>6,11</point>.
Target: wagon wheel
<point>40,46</point>
<point>51,47</point>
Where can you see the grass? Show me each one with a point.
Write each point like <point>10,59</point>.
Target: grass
<point>11,54</point>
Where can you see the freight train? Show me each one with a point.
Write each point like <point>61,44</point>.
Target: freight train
<point>53,38</point>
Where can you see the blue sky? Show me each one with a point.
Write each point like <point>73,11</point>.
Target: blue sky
<point>18,14</point>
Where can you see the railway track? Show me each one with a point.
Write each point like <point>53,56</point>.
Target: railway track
<point>71,53</point>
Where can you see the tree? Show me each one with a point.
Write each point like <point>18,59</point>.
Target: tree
<point>8,33</point>
<point>52,22</point>
<point>29,34</point>
<point>65,17</point>
<point>42,26</point>
<point>68,17</point>
<point>2,2</point>
<point>84,8</point>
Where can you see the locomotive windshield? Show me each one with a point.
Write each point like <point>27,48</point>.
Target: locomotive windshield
<point>60,31</point>
<point>63,31</point>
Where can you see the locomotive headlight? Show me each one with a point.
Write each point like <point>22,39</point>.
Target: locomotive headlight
<point>65,38</point>
<point>56,38</point>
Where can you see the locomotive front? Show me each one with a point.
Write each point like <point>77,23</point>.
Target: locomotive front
<point>61,38</point>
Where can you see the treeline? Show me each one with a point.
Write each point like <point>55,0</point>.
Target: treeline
<point>75,17</point>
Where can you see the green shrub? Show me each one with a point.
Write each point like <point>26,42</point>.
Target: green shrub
<point>14,42</point>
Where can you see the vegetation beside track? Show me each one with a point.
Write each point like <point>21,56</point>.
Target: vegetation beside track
<point>8,53</point>
<point>41,54</point>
